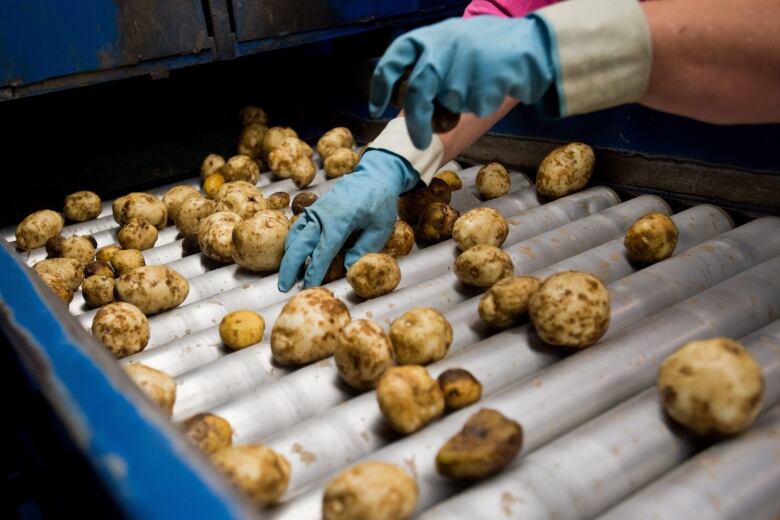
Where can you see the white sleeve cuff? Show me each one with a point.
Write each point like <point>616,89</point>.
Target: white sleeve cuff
<point>395,138</point>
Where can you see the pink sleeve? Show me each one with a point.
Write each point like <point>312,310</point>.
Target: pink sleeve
<point>504,8</point>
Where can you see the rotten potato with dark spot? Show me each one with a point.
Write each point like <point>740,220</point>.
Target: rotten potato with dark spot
<point>411,205</point>
<point>82,206</point>
<point>420,336</point>
<point>122,328</point>
<point>98,290</point>
<point>250,142</point>
<point>174,198</point>
<point>240,329</point>
<point>363,354</point>
<point>251,114</point>
<point>137,234</point>
<point>98,268</point>
<point>651,238</point>
<point>302,201</point>
<point>507,300</point>
<point>215,235</point>
<point>152,288</point>
<point>401,240</point>
<point>483,266</point>
<point>341,162</point>
<point>370,490</point>
<point>240,168</point>
<point>57,286</point>
<point>104,254</point>
<point>436,222</point>
<point>492,181</point>
<point>208,432</point>
<point>274,136</point>
<point>480,226</point>
<point>69,270</point>
<point>125,260</point>
<point>211,164</point>
<point>565,170</point>
<point>373,275</point>
<point>158,386</point>
<point>460,388</point>
<point>278,200</point>
<point>212,184</point>
<point>333,140</point>
<point>141,206</point>
<point>258,243</point>
<point>451,178</point>
<point>54,246</point>
<point>256,470</point>
<point>78,248</point>
<point>409,398</point>
<point>37,228</point>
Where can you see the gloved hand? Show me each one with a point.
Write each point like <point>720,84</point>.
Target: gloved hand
<point>365,201</point>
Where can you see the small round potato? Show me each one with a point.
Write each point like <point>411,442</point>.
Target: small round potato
<point>122,328</point>
<point>82,206</point>
<point>436,222</point>
<point>152,288</point>
<point>212,185</point>
<point>211,164</point>
<point>302,201</point>
<point>409,398</point>
<point>215,235</point>
<point>565,170</point>
<point>104,254</point>
<point>98,290</point>
<point>208,432</point>
<point>240,168</point>
<point>250,142</point>
<point>69,270</point>
<point>137,234</point>
<point>155,384</point>
<point>258,243</point>
<point>411,205</point>
<point>274,136</point>
<point>373,275</point>
<point>363,354</point>
<point>712,386</point>
<point>480,226</point>
<point>57,286</point>
<point>460,388</point>
<point>191,212</point>
<point>651,238</point>
<point>420,336</point>
<point>570,309</point>
<point>54,246</point>
<point>256,470</point>
<point>98,268</point>
<point>370,490</point>
<point>307,328</point>
<point>37,228</point>
<point>492,181</point>
<point>125,260</point>
<point>79,248</point>
<point>142,206</point>
<point>174,197</point>
<point>401,240</point>
<point>504,303</point>
<point>240,329</point>
<point>241,203</point>
<point>451,178</point>
<point>251,114</point>
<point>483,265</point>
<point>334,139</point>
<point>278,200</point>
<point>341,162</point>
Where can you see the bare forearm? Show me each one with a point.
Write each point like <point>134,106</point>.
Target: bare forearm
<point>470,128</point>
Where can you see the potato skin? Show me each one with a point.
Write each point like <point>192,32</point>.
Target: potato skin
<point>436,222</point>
<point>258,243</point>
<point>78,248</point>
<point>122,328</point>
<point>212,185</point>
<point>125,260</point>
<point>155,384</point>
<point>373,275</point>
<point>278,200</point>
<point>240,329</point>
<point>712,386</point>
<point>420,336</point>
<point>37,228</point>
<point>137,234</point>
<point>401,240</point>
<point>211,164</point>
<point>285,158</point>
<point>303,172</point>
<point>208,432</point>
<point>98,290</point>
<point>451,178</point>
<point>303,201</point>
<point>651,238</point>
<point>334,139</point>
<point>104,254</point>
<point>274,136</point>
<point>242,202</point>
<point>570,309</point>
<point>370,490</point>
<point>460,388</point>
<point>68,270</point>
<point>363,353</point>
<point>54,246</point>
<point>57,286</point>
<point>409,398</point>
<point>307,328</point>
<point>565,170</point>
<point>191,212</point>
<point>255,469</point>
<point>250,142</point>
<point>152,288</point>
<point>174,197</point>
<point>142,206</point>
<point>251,114</point>
<point>483,266</point>
<point>82,206</point>
<point>492,181</point>
<point>507,300</point>
<point>240,168</point>
<point>480,226</point>
<point>98,268</point>
<point>215,235</point>
<point>341,162</point>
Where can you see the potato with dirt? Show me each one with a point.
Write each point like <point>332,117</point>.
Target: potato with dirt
<point>208,432</point>
<point>57,286</point>
<point>480,226</point>
<point>104,254</point>
<point>411,205</point>
<point>451,178</point>
<point>211,165</point>
<point>122,328</point>
<point>37,228</point>
<point>373,275</point>
<point>250,141</point>
<point>288,151</point>
<point>370,490</point>
<point>215,235</point>
<point>69,270</point>
<point>257,470</point>
<point>307,328</point>
<point>174,198</point>
<point>302,173</point>
<point>240,168</point>
<point>242,202</point>
<point>420,336</point>
<point>98,268</point>
<point>565,170</point>
<point>507,300</point>
<point>240,329</point>
<point>78,248</point>
<point>158,386</point>
<point>82,206</point>
<point>152,288</point>
<point>493,181</point>
<point>302,201</point>
<point>137,234</point>
<point>98,290</point>
<point>436,222</point>
<point>483,266</point>
<point>258,242</point>
<point>460,388</point>
<point>334,139</point>
<point>125,260</point>
<point>278,200</point>
<point>54,246</point>
<point>341,162</point>
<point>363,354</point>
<point>651,238</point>
<point>401,240</point>
<point>251,114</point>
<point>141,206</point>
<point>274,136</point>
<point>409,398</point>
<point>191,212</point>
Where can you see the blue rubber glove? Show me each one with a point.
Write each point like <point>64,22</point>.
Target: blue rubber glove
<point>366,201</point>
<point>468,65</point>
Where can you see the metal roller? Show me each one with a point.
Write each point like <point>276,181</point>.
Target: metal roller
<point>623,449</point>
<point>249,368</point>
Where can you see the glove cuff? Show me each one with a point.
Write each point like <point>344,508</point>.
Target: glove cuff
<point>601,51</point>
<point>395,139</point>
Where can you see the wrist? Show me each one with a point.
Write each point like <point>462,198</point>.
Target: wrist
<point>383,165</point>
<point>395,140</point>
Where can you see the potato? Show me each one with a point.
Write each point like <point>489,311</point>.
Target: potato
<point>651,238</point>
<point>565,170</point>
<point>460,388</point>
<point>82,206</point>
<point>68,270</point>
<point>250,142</point>
<point>411,205</point>
<point>336,269</point>
<point>341,162</point>
<point>137,234</point>
<point>488,443</point>
<point>244,186</point>
<point>303,172</point>
<point>409,398</point>
<point>104,254</point>
<point>211,164</point>
<point>155,384</point>
<point>240,202</point>
<point>712,386</point>
<point>363,354</point>
<point>212,185</point>
<point>98,290</point>
<point>278,200</point>
<point>401,240</point>
<point>258,243</point>
<point>451,178</point>
<point>191,212</point>
<point>122,328</point>
<point>78,248</point>
<point>208,432</point>
<point>420,336</point>
<point>37,228</point>
<point>373,275</point>
<point>570,309</point>
<point>253,115</point>
<point>174,197</point>
<point>274,136</point>
<point>292,159</point>
<point>125,260</point>
<point>256,470</point>
<point>141,206</point>
<point>370,490</point>
<point>190,245</point>
<point>302,201</point>
<point>215,234</point>
<point>307,328</point>
<point>240,168</point>
<point>480,226</point>
<point>483,265</point>
<point>57,286</point>
<point>152,288</point>
<point>239,329</point>
<point>334,139</point>
<point>54,246</point>
<point>492,181</point>
<point>98,268</point>
<point>436,222</point>
<point>507,300</point>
